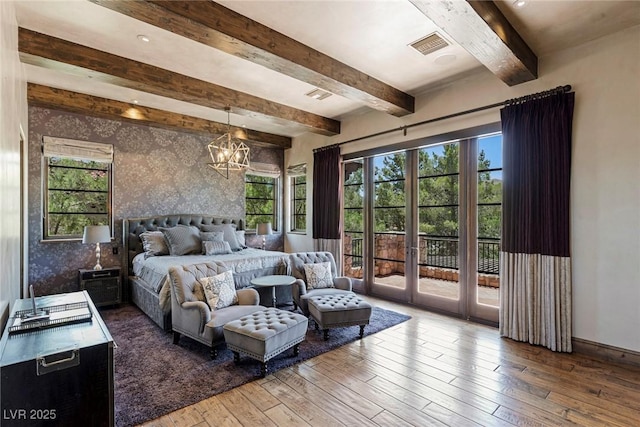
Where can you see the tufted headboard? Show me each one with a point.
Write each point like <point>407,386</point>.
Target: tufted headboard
<point>133,227</point>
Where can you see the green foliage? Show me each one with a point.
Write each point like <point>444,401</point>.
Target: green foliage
<point>77,195</point>
<point>438,193</point>
<point>260,196</point>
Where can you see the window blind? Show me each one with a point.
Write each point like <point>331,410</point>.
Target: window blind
<point>77,150</point>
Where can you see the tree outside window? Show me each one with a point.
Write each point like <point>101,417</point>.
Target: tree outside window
<point>77,195</point>
<point>260,197</point>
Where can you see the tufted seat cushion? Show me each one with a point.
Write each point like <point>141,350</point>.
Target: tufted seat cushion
<point>265,334</point>
<point>335,311</point>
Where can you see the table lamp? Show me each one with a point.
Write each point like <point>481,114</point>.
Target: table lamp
<point>264,229</point>
<point>96,234</point>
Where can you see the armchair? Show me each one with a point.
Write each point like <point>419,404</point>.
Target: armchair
<point>342,285</point>
<point>191,315</point>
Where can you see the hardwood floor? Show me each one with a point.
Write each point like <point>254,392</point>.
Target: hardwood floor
<point>432,370</point>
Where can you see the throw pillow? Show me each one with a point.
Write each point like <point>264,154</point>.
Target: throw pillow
<point>241,238</point>
<point>213,236</point>
<point>318,275</point>
<point>216,248</point>
<point>183,240</point>
<point>229,231</point>
<point>154,244</point>
<point>220,290</point>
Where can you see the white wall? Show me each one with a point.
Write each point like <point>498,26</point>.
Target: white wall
<point>605,186</point>
<point>13,113</point>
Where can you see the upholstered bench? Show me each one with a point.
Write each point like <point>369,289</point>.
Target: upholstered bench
<point>265,334</point>
<point>337,311</point>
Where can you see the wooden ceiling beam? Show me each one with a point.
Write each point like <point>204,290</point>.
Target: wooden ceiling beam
<point>74,102</point>
<point>219,27</point>
<point>481,29</point>
<point>61,55</point>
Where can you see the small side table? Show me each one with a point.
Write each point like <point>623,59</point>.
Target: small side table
<point>103,285</point>
<point>272,282</point>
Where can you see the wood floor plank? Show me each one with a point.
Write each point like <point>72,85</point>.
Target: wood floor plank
<point>213,411</point>
<point>343,412</point>
<point>260,397</point>
<point>447,416</point>
<point>186,417</point>
<point>164,421</point>
<point>243,409</point>
<point>282,416</point>
<point>387,419</point>
<point>301,406</point>
<point>608,416</point>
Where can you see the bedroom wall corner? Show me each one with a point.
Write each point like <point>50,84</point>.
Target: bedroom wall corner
<point>13,116</point>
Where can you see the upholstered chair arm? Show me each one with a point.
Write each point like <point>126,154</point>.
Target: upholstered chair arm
<point>248,296</point>
<point>343,283</point>
<point>193,313</point>
<point>298,288</point>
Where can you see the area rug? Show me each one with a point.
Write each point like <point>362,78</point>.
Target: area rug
<point>154,377</point>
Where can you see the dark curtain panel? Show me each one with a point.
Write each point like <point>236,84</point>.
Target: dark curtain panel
<point>537,168</point>
<point>326,193</point>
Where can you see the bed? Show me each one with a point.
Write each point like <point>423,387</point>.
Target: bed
<point>146,282</point>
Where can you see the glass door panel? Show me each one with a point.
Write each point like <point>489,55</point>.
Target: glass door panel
<point>353,220</point>
<point>438,261</point>
<point>489,206</point>
<point>389,217</point>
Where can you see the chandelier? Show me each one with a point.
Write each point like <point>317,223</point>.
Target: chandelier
<point>227,152</point>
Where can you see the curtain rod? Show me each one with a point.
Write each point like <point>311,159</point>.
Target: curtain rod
<point>538,95</point>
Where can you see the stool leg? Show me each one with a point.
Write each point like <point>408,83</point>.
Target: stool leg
<point>361,331</point>
<point>176,337</point>
<point>236,357</point>
<point>263,369</point>
<point>326,334</point>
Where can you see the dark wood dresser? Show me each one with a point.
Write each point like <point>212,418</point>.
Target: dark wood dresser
<point>60,372</point>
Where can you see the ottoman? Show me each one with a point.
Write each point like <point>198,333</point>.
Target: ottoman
<point>336,311</point>
<point>265,334</point>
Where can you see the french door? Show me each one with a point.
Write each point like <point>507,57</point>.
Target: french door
<point>423,226</point>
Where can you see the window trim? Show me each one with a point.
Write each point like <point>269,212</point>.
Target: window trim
<point>50,146</point>
<point>292,204</point>
<point>275,223</point>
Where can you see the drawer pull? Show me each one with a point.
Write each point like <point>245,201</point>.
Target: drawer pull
<point>44,367</point>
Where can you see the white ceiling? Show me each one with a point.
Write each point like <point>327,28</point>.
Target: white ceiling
<point>369,35</point>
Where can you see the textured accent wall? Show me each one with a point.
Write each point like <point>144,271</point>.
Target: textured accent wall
<point>155,172</point>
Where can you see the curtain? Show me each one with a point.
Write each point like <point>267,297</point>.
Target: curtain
<point>535,263</point>
<point>326,201</point>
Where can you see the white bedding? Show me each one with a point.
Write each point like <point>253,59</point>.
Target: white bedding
<point>245,264</point>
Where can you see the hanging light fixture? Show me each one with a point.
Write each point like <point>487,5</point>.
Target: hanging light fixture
<point>227,152</point>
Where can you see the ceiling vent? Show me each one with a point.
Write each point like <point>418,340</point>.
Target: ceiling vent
<point>318,94</point>
<point>429,44</point>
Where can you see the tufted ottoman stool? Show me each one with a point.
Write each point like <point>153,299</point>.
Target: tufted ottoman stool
<point>336,311</point>
<point>265,334</point>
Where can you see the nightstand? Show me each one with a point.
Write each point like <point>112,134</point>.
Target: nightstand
<point>103,285</point>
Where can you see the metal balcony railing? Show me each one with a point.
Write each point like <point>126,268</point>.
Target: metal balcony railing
<point>442,252</point>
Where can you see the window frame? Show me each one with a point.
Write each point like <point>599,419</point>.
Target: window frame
<point>276,208</point>
<point>293,184</point>
<point>45,200</point>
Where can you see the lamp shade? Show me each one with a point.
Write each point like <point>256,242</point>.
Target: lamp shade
<point>96,234</point>
<point>264,228</point>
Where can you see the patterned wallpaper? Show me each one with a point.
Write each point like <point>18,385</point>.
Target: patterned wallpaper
<point>155,172</point>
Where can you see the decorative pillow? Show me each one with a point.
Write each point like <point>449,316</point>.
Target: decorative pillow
<point>154,244</point>
<point>229,231</point>
<point>318,275</point>
<point>241,239</point>
<point>220,290</point>
<point>213,236</point>
<point>216,248</point>
<point>183,240</point>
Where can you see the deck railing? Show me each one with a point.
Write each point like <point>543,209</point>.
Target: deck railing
<point>440,252</point>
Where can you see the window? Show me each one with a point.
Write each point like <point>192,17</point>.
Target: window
<point>261,203</point>
<point>298,220</point>
<point>77,187</point>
